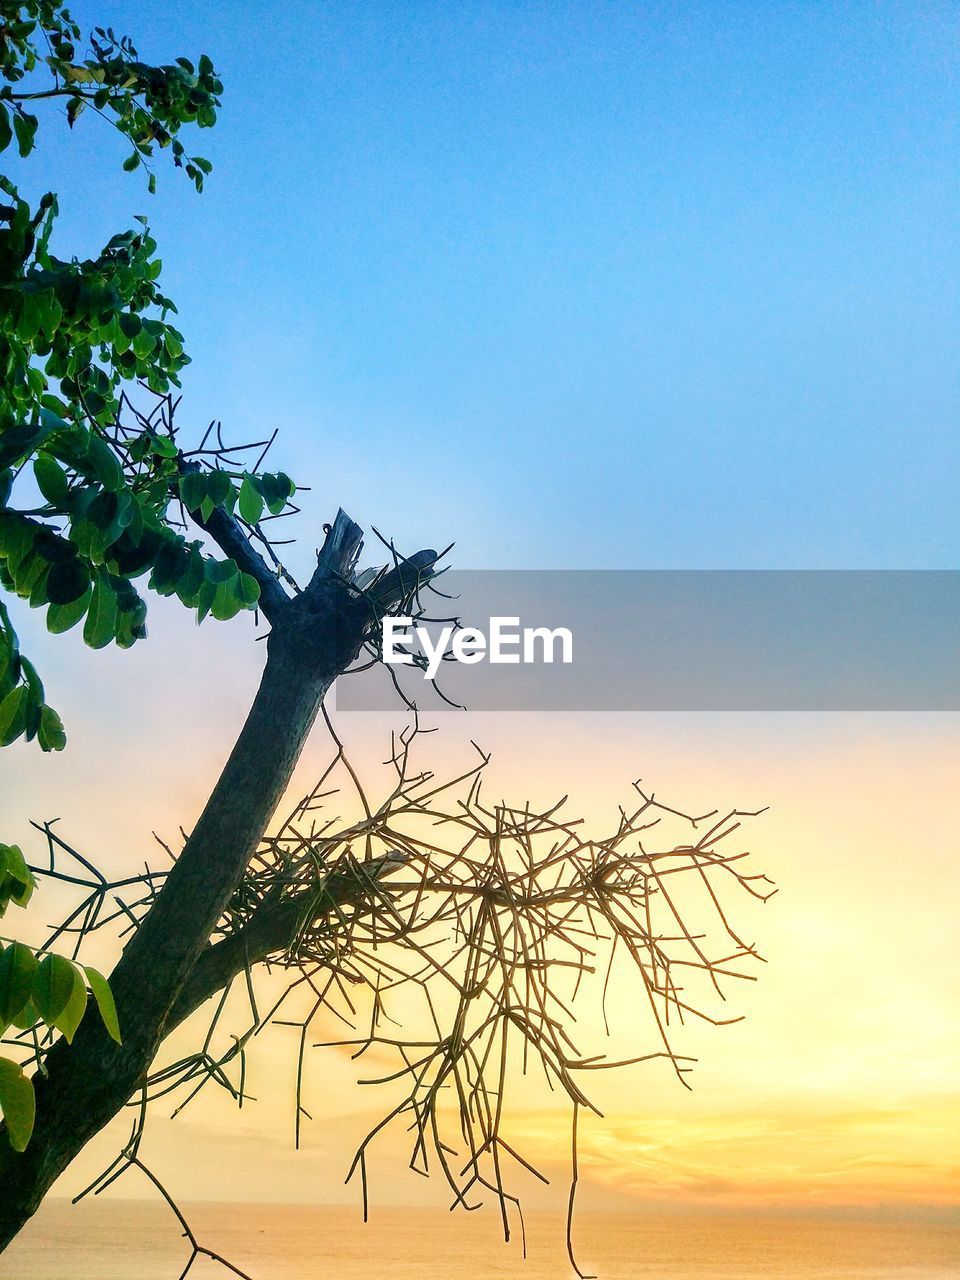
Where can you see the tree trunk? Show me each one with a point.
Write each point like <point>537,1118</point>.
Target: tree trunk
<point>88,1082</point>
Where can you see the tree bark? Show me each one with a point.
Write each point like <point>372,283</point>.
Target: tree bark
<point>315,636</point>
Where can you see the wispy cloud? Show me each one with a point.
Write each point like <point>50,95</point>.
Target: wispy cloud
<point>898,1155</point>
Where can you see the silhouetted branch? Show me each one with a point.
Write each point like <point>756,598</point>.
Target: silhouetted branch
<point>497,917</point>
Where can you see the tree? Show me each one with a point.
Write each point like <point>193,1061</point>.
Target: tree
<point>486,911</point>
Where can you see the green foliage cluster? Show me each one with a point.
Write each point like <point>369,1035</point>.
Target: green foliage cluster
<point>89,504</point>
<point>147,104</point>
<point>23,709</point>
<point>85,506</point>
<point>48,990</point>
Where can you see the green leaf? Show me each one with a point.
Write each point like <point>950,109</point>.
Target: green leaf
<point>104,462</point>
<point>130,324</point>
<point>192,579</point>
<point>31,317</point>
<point>193,489</point>
<point>53,987</point>
<point>205,599</point>
<point>51,478</point>
<point>105,1003</point>
<point>18,965</point>
<point>94,403</point>
<point>14,866</point>
<point>61,617</point>
<point>132,161</point>
<point>164,446</point>
<point>103,509</point>
<point>247,589</point>
<point>6,133</point>
<point>218,487</point>
<point>26,128</point>
<point>34,683</point>
<point>68,581</point>
<point>38,588</point>
<point>101,624</point>
<point>225,604</point>
<point>251,501</point>
<point>18,442</point>
<point>221,570</point>
<point>13,714</point>
<point>169,566</point>
<point>71,1015</point>
<point>52,313</point>
<point>143,344</point>
<point>135,528</point>
<point>17,1103</point>
<point>276,489</point>
<point>51,734</point>
<point>27,1017</point>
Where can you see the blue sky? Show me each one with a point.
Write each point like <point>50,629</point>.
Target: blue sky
<point>582,284</point>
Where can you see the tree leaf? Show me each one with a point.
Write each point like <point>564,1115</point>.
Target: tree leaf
<point>218,487</point>
<point>71,1015</point>
<point>51,478</point>
<point>101,624</point>
<point>25,126</point>
<point>193,489</point>
<point>14,866</point>
<point>225,604</point>
<point>13,714</point>
<point>192,578</point>
<point>53,987</point>
<point>205,599</point>
<point>27,1017</point>
<point>67,581</point>
<point>61,617</point>
<point>275,489</point>
<point>17,1103</point>
<point>18,966</point>
<point>221,570</point>
<point>51,734</point>
<point>251,501</point>
<point>247,589</point>
<point>17,442</point>
<point>143,344</point>
<point>104,462</point>
<point>105,1003</point>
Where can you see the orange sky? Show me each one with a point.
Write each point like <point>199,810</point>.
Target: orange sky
<point>838,1089</point>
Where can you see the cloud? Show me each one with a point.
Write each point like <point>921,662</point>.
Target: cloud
<point>814,1157</point>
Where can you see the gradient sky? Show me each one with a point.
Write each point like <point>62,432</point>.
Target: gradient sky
<point>583,285</point>
<point>578,284</point>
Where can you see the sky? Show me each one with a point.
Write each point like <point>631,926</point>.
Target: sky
<point>582,286</point>
<point>578,285</point>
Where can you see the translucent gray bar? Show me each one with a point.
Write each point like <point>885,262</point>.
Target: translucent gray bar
<point>664,640</point>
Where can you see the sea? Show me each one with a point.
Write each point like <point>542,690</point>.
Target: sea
<point>130,1240</point>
